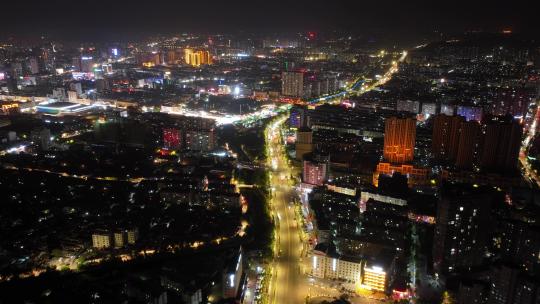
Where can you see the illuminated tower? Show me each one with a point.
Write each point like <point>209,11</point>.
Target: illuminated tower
<point>399,139</point>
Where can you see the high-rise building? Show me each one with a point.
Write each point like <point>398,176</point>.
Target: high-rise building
<point>103,85</point>
<point>187,55</point>
<point>41,138</point>
<point>470,112</point>
<point>316,170</point>
<point>429,109</point>
<point>304,142</point>
<point>16,69</point>
<point>520,244</point>
<point>197,58</point>
<point>101,239</point>
<point>171,57</point>
<point>298,117</point>
<point>513,101</point>
<point>445,142</point>
<point>72,96</point>
<point>87,64</point>
<point>77,87</point>
<point>410,106</point>
<point>502,139</point>
<point>132,235</point>
<point>119,238</point>
<point>374,277</point>
<point>468,145</point>
<point>200,140</point>
<point>448,109</point>
<point>415,175</point>
<point>232,275</point>
<point>107,68</point>
<point>171,139</point>
<point>463,226</point>
<point>399,139</point>
<point>510,286</point>
<point>33,65</point>
<point>292,84</point>
<point>59,93</point>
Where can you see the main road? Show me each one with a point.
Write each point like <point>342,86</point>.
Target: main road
<point>288,285</point>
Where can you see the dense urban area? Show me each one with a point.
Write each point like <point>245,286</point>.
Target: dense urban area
<point>284,168</point>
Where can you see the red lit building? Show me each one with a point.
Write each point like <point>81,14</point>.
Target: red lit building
<point>171,139</point>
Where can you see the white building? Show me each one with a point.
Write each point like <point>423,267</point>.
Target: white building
<point>328,267</point>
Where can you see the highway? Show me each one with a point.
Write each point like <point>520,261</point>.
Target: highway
<point>288,285</point>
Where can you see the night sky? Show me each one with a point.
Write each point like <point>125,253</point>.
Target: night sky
<point>102,18</point>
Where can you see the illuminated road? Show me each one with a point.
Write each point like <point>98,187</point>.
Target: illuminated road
<point>288,284</point>
<point>360,86</point>
<point>527,171</point>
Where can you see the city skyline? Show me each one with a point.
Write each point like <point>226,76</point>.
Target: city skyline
<point>269,152</point>
<point>113,20</point>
